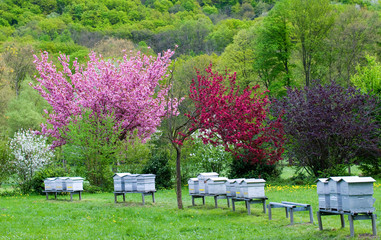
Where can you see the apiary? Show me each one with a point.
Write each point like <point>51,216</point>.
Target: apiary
<point>50,184</point>
<point>253,188</point>
<point>119,181</point>
<point>74,184</point>
<point>357,194</point>
<point>323,193</point>
<point>61,183</point>
<point>216,185</point>
<point>237,188</point>
<point>202,177</point>
<point>145,183</point>
<point>130,182</point>
<point>193,186</point>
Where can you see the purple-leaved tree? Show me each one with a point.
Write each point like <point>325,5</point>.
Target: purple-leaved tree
<point>329,127</point>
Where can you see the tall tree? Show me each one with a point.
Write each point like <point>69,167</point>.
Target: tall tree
<point>311,20</point>
<point>130,88</point>
<point>273,49</point>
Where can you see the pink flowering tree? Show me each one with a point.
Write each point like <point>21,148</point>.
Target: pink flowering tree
<point>128,88</point>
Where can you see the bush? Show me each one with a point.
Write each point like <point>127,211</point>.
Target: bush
<point>158,165</point>
<point>243,169</point>
<point>37,183</point>
<point>6,167</point>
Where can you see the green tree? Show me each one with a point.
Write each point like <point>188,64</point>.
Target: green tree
<point>91,146</point>
<point>311,21</point>
<point>273,48</point>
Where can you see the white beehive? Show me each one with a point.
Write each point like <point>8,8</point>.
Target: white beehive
<point>50,184</point>
<point>202,177</point>
<point>216,185</point>
<point>74,184</point>
<point>253,188</point>
<point>145,183</point>
<point>130,182</point>
<point>323,193</point>
<point>61,183</point>
<point>193,186</point>
<point>357,194</point>
<point>237,188</point>
<point>119,181</point>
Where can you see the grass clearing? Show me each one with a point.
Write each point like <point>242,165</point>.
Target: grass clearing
<point>98,217</point>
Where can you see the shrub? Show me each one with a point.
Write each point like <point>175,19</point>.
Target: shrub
<point>159,165</point>
<point>37,183</point>
<point>329,127</point>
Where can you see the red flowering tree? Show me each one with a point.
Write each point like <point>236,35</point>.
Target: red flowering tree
<point>130,89</point>
<point>239,120</point>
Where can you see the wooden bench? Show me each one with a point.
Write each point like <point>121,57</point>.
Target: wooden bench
<point>290,208</point>
<point>71,194</point>
<point>152,193</point>
<point>351,217</point>
<point>249,201</point>
<point>216,197</point>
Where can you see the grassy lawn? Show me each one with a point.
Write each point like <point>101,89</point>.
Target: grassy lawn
<point>98,217</point>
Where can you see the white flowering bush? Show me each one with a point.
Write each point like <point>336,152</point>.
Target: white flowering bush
<point>31,152</point>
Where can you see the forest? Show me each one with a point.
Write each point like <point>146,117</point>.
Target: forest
<point>317,62</point>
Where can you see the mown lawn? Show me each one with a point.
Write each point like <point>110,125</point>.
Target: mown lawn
<point>98,217</point>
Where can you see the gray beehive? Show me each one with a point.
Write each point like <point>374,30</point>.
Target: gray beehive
<point>229,183</point>
<point>202,177</point>
<point>130,182</point>
<point>145,183</point>
<point>74,184</point>
<point>323,193</point>
<point>216,185</point>
<point>357,194</point>
<point>50,184</point>
<point>61,183</point>
<point>253,188</point>
<point>237,188</point>
<point>335,199</point>
<point>193,186</point>
<point>119,181</point>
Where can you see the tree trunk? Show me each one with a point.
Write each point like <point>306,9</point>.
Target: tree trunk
<point>178,178</point>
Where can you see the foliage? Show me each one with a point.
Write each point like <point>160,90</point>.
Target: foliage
<point>91,146</point>
<point>328,127</point>
<point>6,167</point>
<point>127,87</point>
<point>243,169</point>
<point>159,165</point>
<point>31,152</point>
<point>26,111</point>
<point>368,77</point>
<point>236,120</point>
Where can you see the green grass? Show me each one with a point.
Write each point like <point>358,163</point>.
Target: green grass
<point>98,217</point>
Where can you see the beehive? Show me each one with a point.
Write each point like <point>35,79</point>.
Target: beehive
<point>335,199</point>
<point>357,194</point>
<point>253,188</point>
<point>323,193</point>
<point>216,185</point>
<point>237,188</point>
<point>202,177</point>
<point>50,184</point>
<point>119,181</point>
<point>130,182</point>
<point>145,183</point>
<point>229,185</point>
<point>61,183</point>
<point>193,186</point>
<point>74,184</point>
